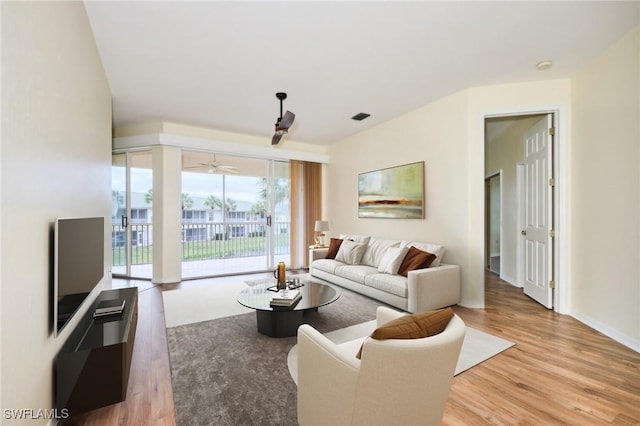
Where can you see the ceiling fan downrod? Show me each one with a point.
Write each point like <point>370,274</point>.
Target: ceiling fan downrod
<point>282,96</point>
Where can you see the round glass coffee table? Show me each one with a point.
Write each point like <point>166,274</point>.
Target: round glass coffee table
<point>284,321</point>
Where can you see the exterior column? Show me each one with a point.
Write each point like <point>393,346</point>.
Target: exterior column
<point>166,214</point>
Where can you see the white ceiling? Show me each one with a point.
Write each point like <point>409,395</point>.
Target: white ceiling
<point>219,64</point>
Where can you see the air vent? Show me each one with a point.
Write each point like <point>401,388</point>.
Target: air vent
<point>360,116</point>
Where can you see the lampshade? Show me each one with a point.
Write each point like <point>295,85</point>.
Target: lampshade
<point>321,226</point>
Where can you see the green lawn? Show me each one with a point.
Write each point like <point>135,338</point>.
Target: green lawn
<point>207,249</point>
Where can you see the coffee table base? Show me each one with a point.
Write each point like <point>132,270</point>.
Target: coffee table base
<point>280,323</point>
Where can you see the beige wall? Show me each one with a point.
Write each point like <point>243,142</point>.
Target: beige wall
<point>435,134</point>
<point>449,136</point>
<point>55,162</point>
<point>489,101</point>
<point>605,191</point>
<point>167,215</point>
<point>599,183</point>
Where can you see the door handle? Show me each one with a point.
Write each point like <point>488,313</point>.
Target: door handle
<point>125,221</point>
<point>523,232</point>
<point>269,220</point>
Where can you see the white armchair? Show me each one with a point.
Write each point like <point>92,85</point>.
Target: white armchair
<point>397,381</point>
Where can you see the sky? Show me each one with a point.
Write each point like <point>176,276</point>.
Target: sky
<point>238,188</point>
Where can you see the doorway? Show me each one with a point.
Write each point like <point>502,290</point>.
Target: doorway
<point>131,215</point>
<point>520,149</point>
<point>493,222</point>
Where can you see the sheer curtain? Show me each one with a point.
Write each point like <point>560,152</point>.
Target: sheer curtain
<point>306,208</point>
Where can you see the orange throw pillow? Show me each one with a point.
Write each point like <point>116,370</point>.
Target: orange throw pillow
<point>334,246</point>
<point>414,326</point>
<point>415,259</point>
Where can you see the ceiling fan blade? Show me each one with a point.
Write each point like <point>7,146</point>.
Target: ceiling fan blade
<point>287,120</point>
<point>224,169</point>
<point>229,168</point>
<point>276,139</point>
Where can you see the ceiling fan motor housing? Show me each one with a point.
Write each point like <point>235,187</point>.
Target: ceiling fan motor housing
<point>283,122</point>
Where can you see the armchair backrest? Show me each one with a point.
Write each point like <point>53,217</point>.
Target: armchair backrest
<point>407,381</point>
<point>396,382</point>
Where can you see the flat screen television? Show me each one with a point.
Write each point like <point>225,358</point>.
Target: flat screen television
<point>78,264</point>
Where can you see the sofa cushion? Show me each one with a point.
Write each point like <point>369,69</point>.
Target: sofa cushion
<point>392,259</point>
<point>431,248</point>
<point>415,259</point>
<point>414,326</point>
<point>356,273</point>
<point>327,265</point>
<point>350,252</point>
<point>376,249</point>
<point>334,245</point>
<point>393,284</point>
<point>364,239</point>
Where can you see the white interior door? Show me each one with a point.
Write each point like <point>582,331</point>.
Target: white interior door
<point>538,193</point>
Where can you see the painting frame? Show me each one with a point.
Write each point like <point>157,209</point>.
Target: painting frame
<point>393,193</point>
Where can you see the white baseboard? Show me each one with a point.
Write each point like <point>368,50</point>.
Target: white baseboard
<point>510,280</point>
<point>170,280</point>
<point>608,331</point>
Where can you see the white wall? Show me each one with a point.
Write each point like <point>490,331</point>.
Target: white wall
<point>605,190</point>
<point>55,162</point>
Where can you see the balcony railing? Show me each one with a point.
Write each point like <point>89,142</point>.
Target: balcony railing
<point>203,241</point>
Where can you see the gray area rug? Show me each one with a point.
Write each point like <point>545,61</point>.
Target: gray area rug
<point>224,372</point>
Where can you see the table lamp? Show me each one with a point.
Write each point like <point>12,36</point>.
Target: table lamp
<point>321,226</point>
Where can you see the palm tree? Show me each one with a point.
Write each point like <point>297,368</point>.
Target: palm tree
<point>212,201</point>
<point>258,209</point>
<point>117,202</point>
<point>187,202</point>
<point>230,205</point>
<point>281,189</point>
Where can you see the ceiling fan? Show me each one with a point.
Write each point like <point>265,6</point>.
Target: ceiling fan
<point>284,122</point>
<point>215,167</point>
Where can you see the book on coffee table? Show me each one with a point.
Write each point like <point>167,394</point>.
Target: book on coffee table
<point>288,299</point>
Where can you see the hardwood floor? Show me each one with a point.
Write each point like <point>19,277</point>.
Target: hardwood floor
<point>559,372</point>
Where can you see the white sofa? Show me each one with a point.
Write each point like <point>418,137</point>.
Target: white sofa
<point>435,287</point>
<point>397,382</point>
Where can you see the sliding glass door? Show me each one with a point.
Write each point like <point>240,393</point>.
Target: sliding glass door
<point>131,214</point>
<point>235,214</point>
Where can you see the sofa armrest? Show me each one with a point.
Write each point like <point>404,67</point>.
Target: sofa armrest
<point>318,253</point>
<point>433,288</point>
<point>327,379</point>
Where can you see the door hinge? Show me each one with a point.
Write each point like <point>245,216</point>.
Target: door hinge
<point>552,233</point>
<point>552,131</point>
<point>552,284</point>
<point>552,182</point>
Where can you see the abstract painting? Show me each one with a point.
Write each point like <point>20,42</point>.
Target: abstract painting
<point>394,192</point>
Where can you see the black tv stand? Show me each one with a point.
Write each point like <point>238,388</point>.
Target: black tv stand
<point>92,368</point>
